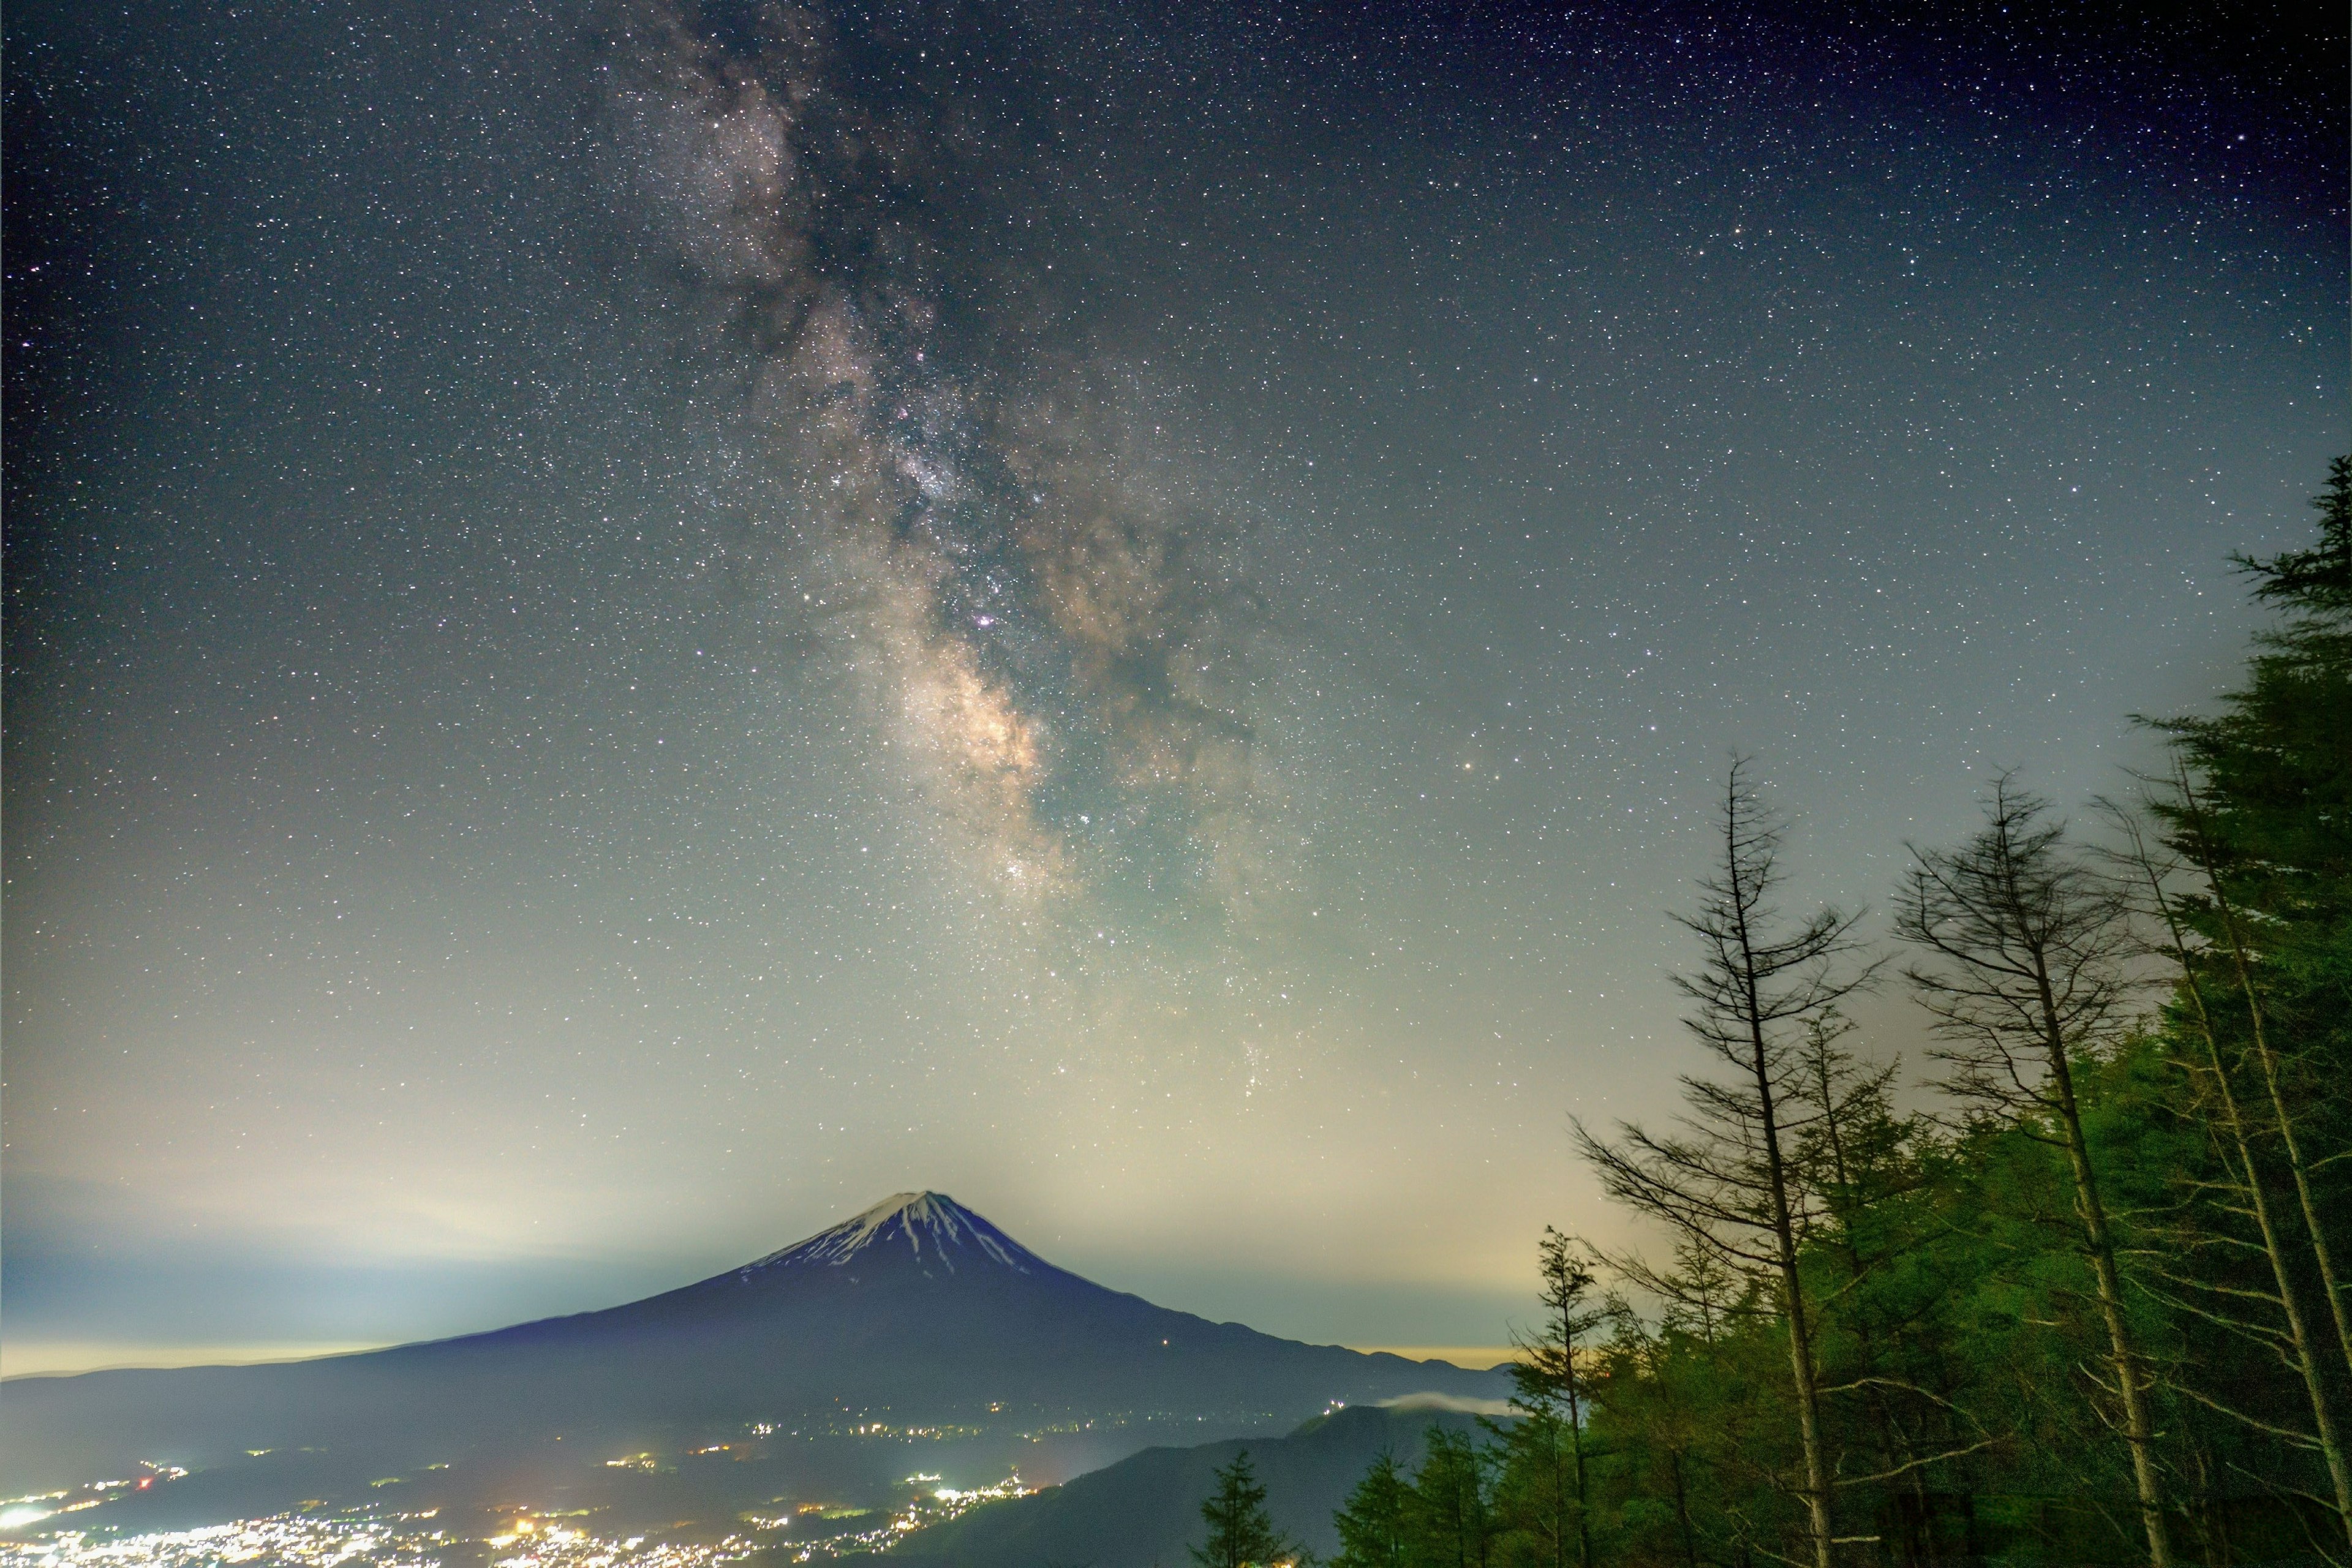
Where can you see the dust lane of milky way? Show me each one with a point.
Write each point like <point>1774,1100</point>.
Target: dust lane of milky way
<point>629,624</point>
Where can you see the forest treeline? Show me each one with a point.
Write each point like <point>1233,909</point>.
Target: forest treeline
<point>2090,1307</point>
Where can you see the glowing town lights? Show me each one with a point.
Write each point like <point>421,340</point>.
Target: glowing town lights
<point>291,1540</point>
<point>372,1538</point>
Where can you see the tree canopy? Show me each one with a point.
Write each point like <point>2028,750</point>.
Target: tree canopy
<point>2073,1293</point>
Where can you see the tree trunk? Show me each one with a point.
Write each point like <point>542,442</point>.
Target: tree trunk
<point>1801,1345</point>
<point>1681,1509</point>
<point>2294,1163</point>
<point>2140,1430</point>
<point>2331,1444</point>
<point>1896,1448</point>
<point>1576,1446</point>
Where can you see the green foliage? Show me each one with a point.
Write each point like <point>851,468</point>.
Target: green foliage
<point>1547,1505</point>
<point>2263,815</point>
<point>1241,1535</point>
<point>1448,1512</point>
<point>1372,1523</point>
<point>1966,1364</point>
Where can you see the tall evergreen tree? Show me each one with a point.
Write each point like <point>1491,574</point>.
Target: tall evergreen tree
<point>1671,1405</point>
<point>1883,1315</point>
<point>2240,1307</point>
<point>1448,1515</point>
<point>2022,948</point>
<point>1545,1448</point>
<point>1241,1534</point>
<point>1371,1524</point>
<point>2264,811</point>
<point>2258,813</point>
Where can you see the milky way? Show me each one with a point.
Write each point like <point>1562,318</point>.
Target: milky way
<point>953,504</point>
<point>631,624</point>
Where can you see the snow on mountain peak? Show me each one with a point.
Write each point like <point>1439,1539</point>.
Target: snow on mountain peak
<point>932,1227</point>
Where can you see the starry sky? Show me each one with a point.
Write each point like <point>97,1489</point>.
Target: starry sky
<point>632,626</point>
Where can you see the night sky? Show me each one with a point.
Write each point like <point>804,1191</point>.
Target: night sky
<point>629,627</point>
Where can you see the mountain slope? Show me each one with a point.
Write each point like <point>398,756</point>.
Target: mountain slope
<point>1146,1509</point>
<point>917,1312</point>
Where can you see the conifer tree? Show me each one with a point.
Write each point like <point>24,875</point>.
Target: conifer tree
<point>2258,811</point>
<point>1241,1534</point>
<point>1448,1517</point>
<point>2022,948</point>
<point>2263,808</point>
<point>1862,1165</point>
<point>1547,1487</point>
<point>2245,1192</point>
<point>1371,1524</point>
<point>1657,1430</point>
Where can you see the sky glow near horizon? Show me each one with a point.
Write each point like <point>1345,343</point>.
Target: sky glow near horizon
<point>630,627</point>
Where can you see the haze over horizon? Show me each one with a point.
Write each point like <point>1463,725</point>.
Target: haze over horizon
<point>632,626</point>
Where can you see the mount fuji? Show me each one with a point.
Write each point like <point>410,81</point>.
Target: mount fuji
<point>915,1317</point>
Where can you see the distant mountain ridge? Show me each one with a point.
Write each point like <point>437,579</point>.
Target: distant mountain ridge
<point>1145,1509</point>
<point>914,1313</point>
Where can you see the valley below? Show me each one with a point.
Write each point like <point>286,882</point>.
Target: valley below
<point>872,1388</point>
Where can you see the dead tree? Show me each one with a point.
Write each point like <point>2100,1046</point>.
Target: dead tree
<point>1724,1181</point>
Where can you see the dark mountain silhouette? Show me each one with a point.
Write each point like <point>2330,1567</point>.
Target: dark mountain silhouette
<point>915,1313</point>
<point>1146,1509</point>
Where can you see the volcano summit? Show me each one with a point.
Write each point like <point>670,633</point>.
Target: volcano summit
<point>916,1315</point>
